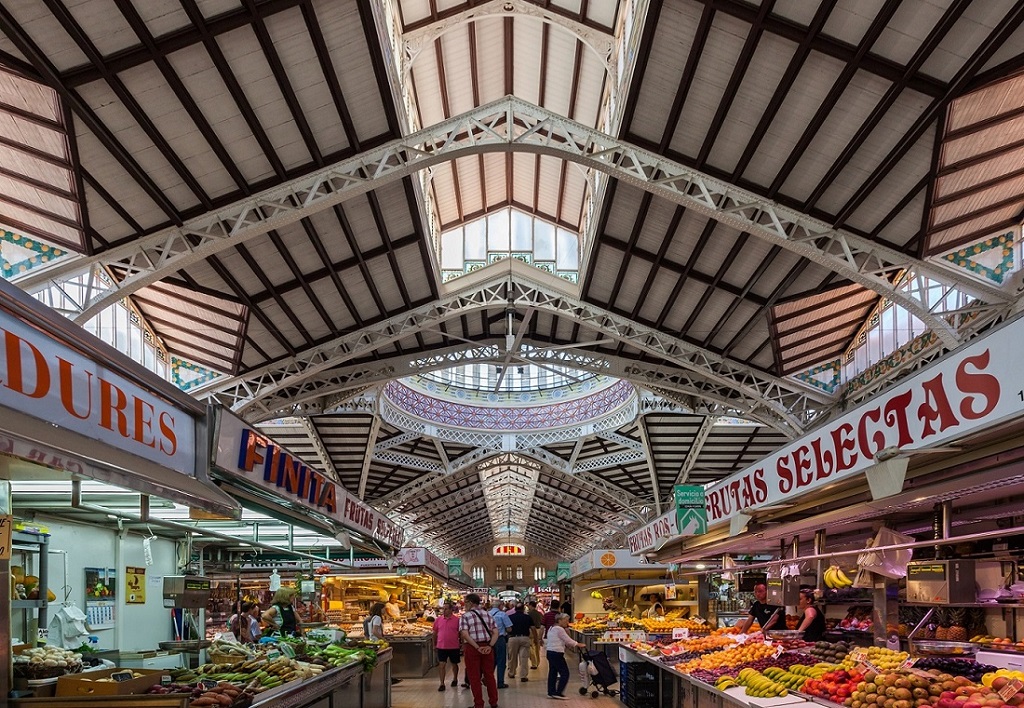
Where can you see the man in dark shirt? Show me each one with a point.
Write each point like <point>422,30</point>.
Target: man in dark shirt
<point>767,616</point>
<point>519,643</point>
<point>549,616</point>
<point>537,635</point>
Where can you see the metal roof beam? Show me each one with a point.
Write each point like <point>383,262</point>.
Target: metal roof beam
<point>512,125</point>
<point>706,426</point>
<point>645,437</point>
<point>318,446</point>
<point>717,376</point>
<point>364,473</point>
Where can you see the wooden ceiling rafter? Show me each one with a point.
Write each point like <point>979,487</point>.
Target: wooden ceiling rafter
<point>830,46</point>
<point>851,66</point>
<point>739,72</point>
<point>284,85</point>
<point>175,41</point>
<point>996,38</point>
<point>924,51</point>
<point>50,76</point>
<point>289,260</point>
<point>343,265</point>
<point>242,103</point>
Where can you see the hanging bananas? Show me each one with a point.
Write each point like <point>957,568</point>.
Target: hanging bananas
<point>835,578</point>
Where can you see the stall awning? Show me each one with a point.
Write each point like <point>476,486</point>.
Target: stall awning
<point>76,456</point>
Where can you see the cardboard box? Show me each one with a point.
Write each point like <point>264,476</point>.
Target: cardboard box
<point>87,685</point>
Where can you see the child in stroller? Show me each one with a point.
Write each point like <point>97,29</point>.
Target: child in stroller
<point>597,672</point>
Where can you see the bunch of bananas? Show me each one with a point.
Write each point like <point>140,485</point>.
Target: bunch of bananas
<point>835,578</point>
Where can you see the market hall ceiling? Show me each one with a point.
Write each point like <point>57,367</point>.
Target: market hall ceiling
<point>266,180</point>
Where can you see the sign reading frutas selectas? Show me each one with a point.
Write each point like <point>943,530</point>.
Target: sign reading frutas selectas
<point>975,387</point>
<point>691,517</point>
<point>255,458</point>
<point>56,384</point>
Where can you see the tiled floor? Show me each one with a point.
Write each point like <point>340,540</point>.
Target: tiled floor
<point>423,693</point>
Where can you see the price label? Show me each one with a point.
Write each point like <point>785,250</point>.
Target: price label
<point>778,651</point>
<point>700,620</point>
<point>207,684</point>
<point>271,655</point>
<point>121,676</point>
<point>680,633</point>
<point>1010,690</point>
<point>6,537</point>
<point>768,642</point>
<point>43,634</point>
<point>858,655</point>
<point>907,663</point>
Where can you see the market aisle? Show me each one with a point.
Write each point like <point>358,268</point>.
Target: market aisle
<point>423,693</point>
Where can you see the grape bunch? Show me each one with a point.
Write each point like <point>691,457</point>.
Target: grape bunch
<point>968,668</point>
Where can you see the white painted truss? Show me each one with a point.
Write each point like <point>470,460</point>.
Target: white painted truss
<point>710,373</point>
<point>321,450</point>
<point>513,125</point>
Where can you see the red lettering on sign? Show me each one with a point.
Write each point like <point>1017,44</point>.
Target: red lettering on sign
<point>983,385</point>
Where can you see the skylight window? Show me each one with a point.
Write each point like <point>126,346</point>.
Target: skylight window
<point>890,328</point>
<point>510,233</point>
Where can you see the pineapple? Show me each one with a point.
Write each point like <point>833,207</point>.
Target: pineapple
<point>903,629</point>
<point>958,625</point>
<point>942,632</point>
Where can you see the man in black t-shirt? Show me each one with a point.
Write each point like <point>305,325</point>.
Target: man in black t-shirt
<point>767,616</point>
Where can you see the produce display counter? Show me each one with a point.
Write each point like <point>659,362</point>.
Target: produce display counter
<point>674,689</point>
<point>345,687</point>
<point>413,656</point>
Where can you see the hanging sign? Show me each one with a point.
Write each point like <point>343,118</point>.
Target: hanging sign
<point>510,549</point>
<point>454,567</point>
<point>652,534</point>
<point>6,534</point>
<point>135,585</point>
<point>691,516</point>
<point>48,380</point>
<point>251,456</point>
<point>563,571</point>
<point>975,387</point>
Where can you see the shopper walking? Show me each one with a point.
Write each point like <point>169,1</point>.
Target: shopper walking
<point>558,641</point>
<point>519,643</point>
<point>536,634</point>
<point>479,635</point>
<point>549,617</point>
<point>504,624</point>
<point>446,640</point>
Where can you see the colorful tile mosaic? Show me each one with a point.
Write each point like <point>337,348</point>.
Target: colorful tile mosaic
<point>20,254</point>
<point>186,375</point>
<point>991,259</point>
<point>824,376</point>
<point>510,418</point>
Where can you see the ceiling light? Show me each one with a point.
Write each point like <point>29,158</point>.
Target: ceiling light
<point>700,566</point>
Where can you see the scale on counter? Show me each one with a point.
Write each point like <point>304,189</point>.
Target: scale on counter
<point>941,582</point>
<point>186,594</point>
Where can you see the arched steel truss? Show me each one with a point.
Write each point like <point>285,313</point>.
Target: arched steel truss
<point>513,125</point>
<point>790,403</point>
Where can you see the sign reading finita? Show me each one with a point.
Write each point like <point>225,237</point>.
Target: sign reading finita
<point>509,549</point>
<point>258,460</point>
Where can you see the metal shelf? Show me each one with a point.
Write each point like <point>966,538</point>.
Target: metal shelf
<point>27,604</point>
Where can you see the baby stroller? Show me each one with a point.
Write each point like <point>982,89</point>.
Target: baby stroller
<point>597,672</point>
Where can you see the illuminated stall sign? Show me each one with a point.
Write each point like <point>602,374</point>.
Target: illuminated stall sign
<point>509,549</point>
<point>973,388</point>
<point>255,458</point>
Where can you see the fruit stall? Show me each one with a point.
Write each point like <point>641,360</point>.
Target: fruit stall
<point>726,669</point>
